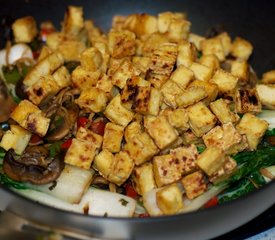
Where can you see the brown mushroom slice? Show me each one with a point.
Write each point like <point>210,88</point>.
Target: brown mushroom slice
<point>64,122</point>
<point>39,173</point>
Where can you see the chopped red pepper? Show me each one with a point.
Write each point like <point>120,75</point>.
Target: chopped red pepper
<point>98,127</point>
<point>35,139</point>
<point>143,215</point>
<point>130,191</point>
<point>45,32</point>
<point>82,122</point>
<point>212,202</point>
<point>66,144</point>
<point>35,54</point>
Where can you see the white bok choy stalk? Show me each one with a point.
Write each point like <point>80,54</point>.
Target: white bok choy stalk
<point>269,116</point>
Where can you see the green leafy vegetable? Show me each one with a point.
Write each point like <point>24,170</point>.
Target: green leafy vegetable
<point>55,148</point>
<point>13,74</point>
<point>270,132</point>
<point>4,179</point>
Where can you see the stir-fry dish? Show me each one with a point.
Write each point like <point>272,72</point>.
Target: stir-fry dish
<point>148,119</point>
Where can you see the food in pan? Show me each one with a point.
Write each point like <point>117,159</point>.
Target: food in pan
<point>148,119</point>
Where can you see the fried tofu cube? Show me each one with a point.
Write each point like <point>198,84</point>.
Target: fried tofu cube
<point>161,131</point>
<point>164,58</point>
<point>73,21</point>
<point>222,111</point>
<point>165,19</point>
<point>104,83</point>
<point>43,88</point>
<point>112,138</point>
<point>30,117</point>
<point>186,156</point>
<point>179,29</point>
<point>190,96</point>
<point>89,136</point>
<point>141,24</point>
<point>118,114</point>
<point>268,77</point>
<point>62,77</point>
<point>132,130</point>
<point>103,163</point>
<point>124,72</point>
<point>24,29</point>
<point>210,160</point>
<point>83,78</point>
<point>224,172</point>
<point>182,76</point>
<point>226,42</point>
<point>189,137</point>
<point>240,69</point>
<point>178,118</point>
<point>80,153</point>
<point>196,40</point>
<point>92,99</point>
<point>143,178</point>
<point>253,127</point>
<point>121,43</point>
<point>16,138</point>
<point>171,91</point>
<point>201,120</point>
<point>169,199</point>
<point>247,100</point>
<point>166,169</point>
<point>142,63</point>
<point>266,95</point>
<point>226,82</point>
<point>201,72</point>
<point>157,80</point>
<point>122,168</point>
<point>225,137</point>
<point>211,90</point>
<point>45,52</point>
<point>71,50</point>
<point>91,59</point>
<point>241,48</point>
<point>194,184</point>
<point>210,61</point>
<point>153,42</point>
<point>213,46</point>
<point>187,54</point>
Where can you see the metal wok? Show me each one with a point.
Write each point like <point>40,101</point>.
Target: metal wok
<point>253,20</point>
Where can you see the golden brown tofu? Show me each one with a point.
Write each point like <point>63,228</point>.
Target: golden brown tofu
<point>186,54</point>
<point>226,82</point>
<point>83,79</point>
<point>189,137</point>
<point>92,99</point>
<point>210,160</point>
<point>268,77</point>
<point>73,21</point>
<point>118,114</point>
<point>167,169</point>
<point>112,138</point>
<point>91,59</point>
<point>103,163</point>
<point>194,184</point>
<point>143,178</point>
<point>240,69</point>
<point>247,100</point>
<point>201,72</point>
<point>104,83</point>
<point>190,96</point>
<point>171,91</point>
<point>222,111</point>
<point>24,29</point>
<point>226,42</point>
<point>201,120</point>
<point>178,118</point>
<point>164,58</point>
<point>253,127</point>
<point>213,46</point>
<point>165,19</point>
<point>241,48</point>
<point>71,50</point>
<point>157,80</point>
<point>80,153</point>
<point>196,40</point>
<point>62,77</point>
<point>161,131</point>
<point>210,61</point>
<point>169,199</point>
<point>121,43</point>
<point>30,117</point>
<point>182,76</point>
<point>225,137</point>
<point>142,63</point>
<point>266,95</point>
<point>85,134</point>
<point>153,42</point>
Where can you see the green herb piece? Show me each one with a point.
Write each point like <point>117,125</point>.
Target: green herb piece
<point>199,54</point>
<point>5,180</point>
<point>270,132</point>
<point>55,149</point>
<point>123,202</point>
<point>2,153</point>
<point>11,75</point>
<point>201,148</point>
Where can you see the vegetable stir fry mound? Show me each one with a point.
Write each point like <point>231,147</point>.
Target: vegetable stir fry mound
<point>148,119</point>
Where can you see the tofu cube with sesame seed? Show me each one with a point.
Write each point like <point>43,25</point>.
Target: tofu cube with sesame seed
<point>210,160</point>
<point>226,82</point>
<point>194,184</point>
<point>89,136</point>
<point>182,76</point>
<point>254,129</point>
<point>190,96</point>
<point>118,114</point>
<point>161,131</point>
<point>170,91</point>
<point>222,111</point>
<point>121,43</point>
<point>201,120</point>
<point>24,29</point>
<point>213,46</point>
<point>169,199</point>
<point>201,72</point>
<point>80,154</point>
<point>92,99</point>
<point>112,138</point>
<point>83,79</point>
<point>167,169</point>
<point>30,117</point>
<point>241,48</point>
<point>186,54</point>
<point>143,178</point>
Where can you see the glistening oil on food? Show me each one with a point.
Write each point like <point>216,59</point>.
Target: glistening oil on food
<point>148,119</point>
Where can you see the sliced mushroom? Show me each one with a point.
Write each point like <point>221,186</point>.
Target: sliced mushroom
<point>34,166</point>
